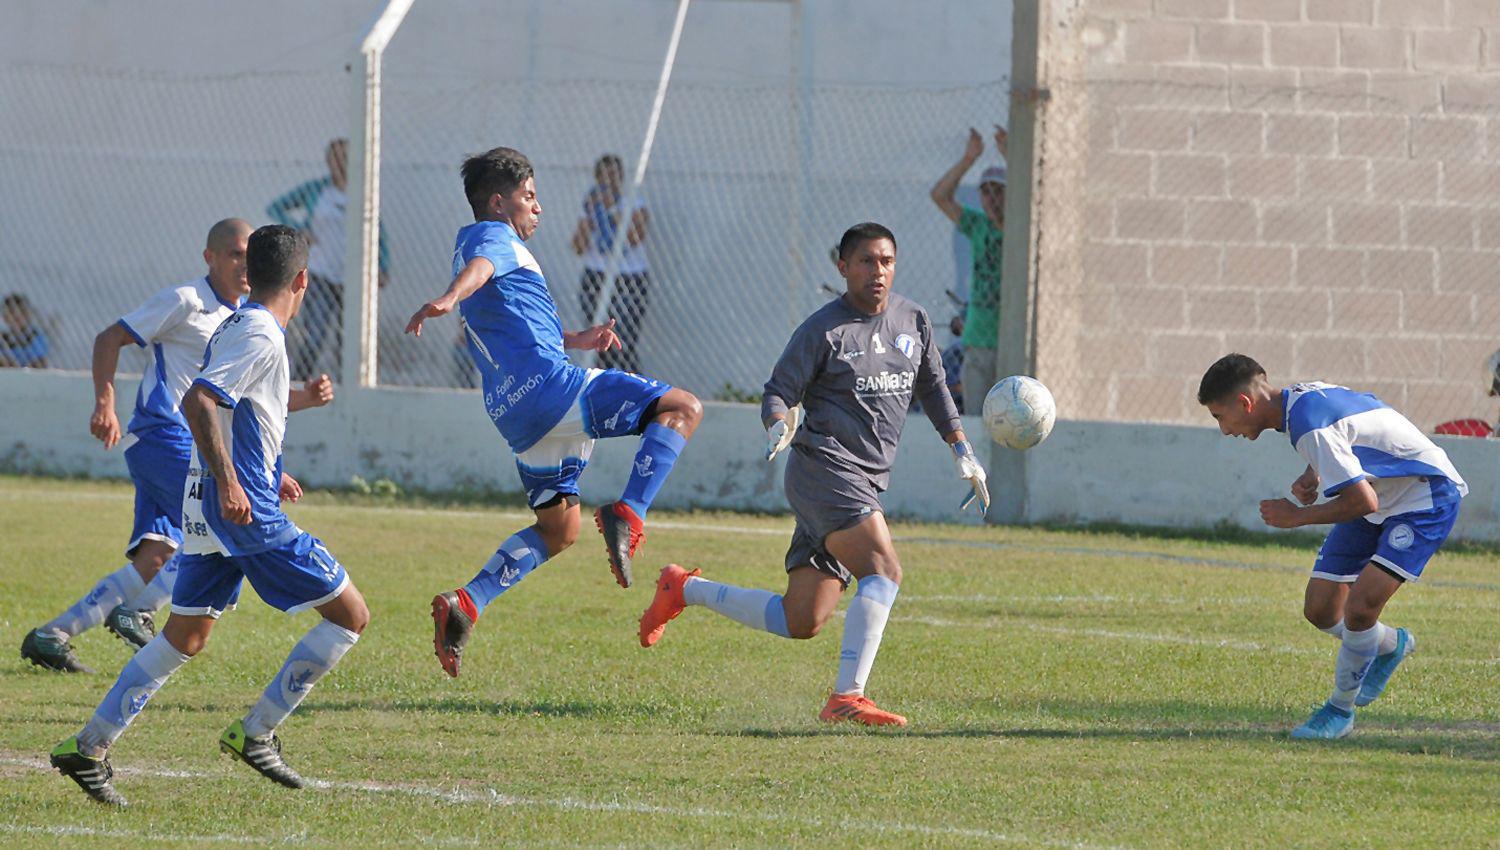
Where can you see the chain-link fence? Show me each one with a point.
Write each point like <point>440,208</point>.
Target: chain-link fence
<point>750,184</point>
<point>1321,196</point>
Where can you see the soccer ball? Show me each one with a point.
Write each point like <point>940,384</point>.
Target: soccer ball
<point>1019,412</point>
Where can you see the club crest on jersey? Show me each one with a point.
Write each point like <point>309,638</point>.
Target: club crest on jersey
<point>907,345</point>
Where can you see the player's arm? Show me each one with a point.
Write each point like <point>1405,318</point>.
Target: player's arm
<point>937,402</point>
<point>104,424</point>
<point>799,365</point>
<point>597,338</point>
<point>581,235</point>
<point>639,221</point>
<point>467,283</point>
<point>1002,142</point>
<point>1305,488</point>
<point>199,407</point>
<point>947,185</point>
<point>315,392</point>
<point>1353,501</point>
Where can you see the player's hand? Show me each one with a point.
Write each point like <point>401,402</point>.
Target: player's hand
<point>974,148</point>
<point>597,338</point>
<point>970,470</point>
<point>319,391</point>
<point>1280,513</point>
<point>233,503</point>
<point>440,306</point>
<point>290,490</point>
<point>105,425</point>
<point>776,438</point>
<point>1305,488</point>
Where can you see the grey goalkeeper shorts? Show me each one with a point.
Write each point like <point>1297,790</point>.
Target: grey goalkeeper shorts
<point>825,498</point>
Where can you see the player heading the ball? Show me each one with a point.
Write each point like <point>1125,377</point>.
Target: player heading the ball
<point>1393,498</point>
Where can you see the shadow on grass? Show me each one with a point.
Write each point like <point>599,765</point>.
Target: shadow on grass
<point>545,708</point>
<point>1149,722</point>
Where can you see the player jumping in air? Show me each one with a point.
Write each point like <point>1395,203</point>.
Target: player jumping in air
<point>173,325</point>
<point>1393,498</point>
<point>549,411</point>
<point>234,528</point>
<point>853,366</point>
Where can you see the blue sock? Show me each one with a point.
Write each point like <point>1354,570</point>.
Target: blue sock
<point>521,553</point>
<point>660,446</point>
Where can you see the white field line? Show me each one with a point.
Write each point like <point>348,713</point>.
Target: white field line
<point>1271,602</point>
<point>491,797</point>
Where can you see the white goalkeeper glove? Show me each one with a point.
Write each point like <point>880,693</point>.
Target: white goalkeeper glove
<point>780,434</point>
<point>970,471</point>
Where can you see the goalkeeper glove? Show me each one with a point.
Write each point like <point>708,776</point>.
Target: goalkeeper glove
<point>970,471</point>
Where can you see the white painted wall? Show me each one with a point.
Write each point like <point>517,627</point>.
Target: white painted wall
<point>1176,476</point>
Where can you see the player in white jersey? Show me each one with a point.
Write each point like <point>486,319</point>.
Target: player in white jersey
<point>173,326</point>
<point>1393,498</point>
<point>233,529</point>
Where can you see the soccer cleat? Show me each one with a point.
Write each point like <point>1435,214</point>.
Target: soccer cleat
<point>666,604</point>
<point>451,628</point>
<point>623,532</point>
<point>1328,723</point>
<point>1382,668</point>
<point>263,754</point>
<point>93,775</point>
<point>858,707</point>
<point>51,651</point>
<point>136,628</point>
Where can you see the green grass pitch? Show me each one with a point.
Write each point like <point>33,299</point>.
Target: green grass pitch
<point>1065,689</point>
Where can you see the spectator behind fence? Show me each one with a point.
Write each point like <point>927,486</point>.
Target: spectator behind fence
<point>985,230</point>
<point>593,239</point>
<point>23,343</point>
<point>317,207</point>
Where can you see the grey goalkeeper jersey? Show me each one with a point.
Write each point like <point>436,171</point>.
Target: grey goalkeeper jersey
<point>855,376</point>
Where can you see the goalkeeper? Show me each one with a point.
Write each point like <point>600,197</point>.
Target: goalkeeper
<point>853,366</point>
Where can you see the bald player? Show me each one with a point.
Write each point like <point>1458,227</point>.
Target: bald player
<point>173,326</point>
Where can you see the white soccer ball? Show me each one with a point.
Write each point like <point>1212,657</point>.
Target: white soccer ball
<point>1019,412</point>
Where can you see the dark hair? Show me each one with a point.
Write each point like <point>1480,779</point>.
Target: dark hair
<point>274,255</point>
<point>606,160</point>
<point>17,301</point>
<point>1229,375</point>
<point>496,170</point>
<point>862,233</point>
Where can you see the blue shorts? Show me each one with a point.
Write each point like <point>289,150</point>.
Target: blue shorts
<point>1402,545</point>
<point>293,577</point>
<point>158,461</point>
<point>611,404</point>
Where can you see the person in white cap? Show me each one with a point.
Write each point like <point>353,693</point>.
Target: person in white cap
<point>985,229</point>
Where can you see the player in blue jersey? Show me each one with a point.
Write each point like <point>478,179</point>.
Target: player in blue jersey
<point>549,411</point>
<point>1393,496</point>
<point>173,326</point>
<point>233,529</point>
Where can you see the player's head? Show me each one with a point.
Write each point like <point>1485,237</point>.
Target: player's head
<point>501,186</point>
<point>277,263</point>
<point>224,252</point>
<point>867,261</point>
<point>1239,397</point>
<point>609,172</point>
<point>992,192</point>
<point>337,157</point>
<point>17,311</point>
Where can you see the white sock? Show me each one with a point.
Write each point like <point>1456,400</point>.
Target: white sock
<point>159,591</point>
<point>314,655</point>
<point>863,625</point>
<point>1355,655</point>
<point>1387,635</point>
<point>143,676</point>
<point>758,609</point>
<point>91,610</point>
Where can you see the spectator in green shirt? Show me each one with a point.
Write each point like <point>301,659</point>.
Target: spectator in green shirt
<point>985,229</point>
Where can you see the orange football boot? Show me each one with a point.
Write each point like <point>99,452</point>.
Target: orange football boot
<point>858,707</point>
<point>666,604</point>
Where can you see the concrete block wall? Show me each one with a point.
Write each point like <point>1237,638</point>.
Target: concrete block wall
<point>1313,182</point>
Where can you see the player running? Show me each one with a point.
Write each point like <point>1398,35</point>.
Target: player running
<point>173,325</point>
<point>853,366</point>
<point>1393,498</point>
<point>233,529</point>
<point>549,411</point>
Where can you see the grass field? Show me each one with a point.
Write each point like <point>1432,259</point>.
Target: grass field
<point>1065,689</point>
